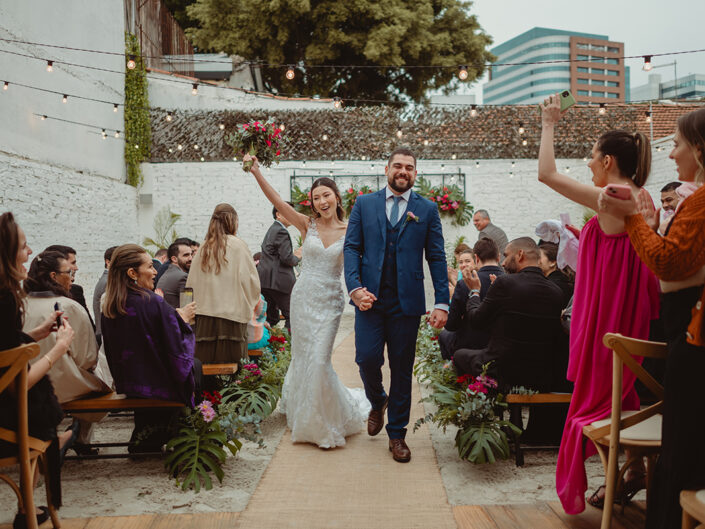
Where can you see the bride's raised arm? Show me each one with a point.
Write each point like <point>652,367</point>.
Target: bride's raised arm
<point>298,220</point>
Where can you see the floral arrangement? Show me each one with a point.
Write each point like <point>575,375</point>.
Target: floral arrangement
<point>257,139</point>
<point>472,404</point>
<point>449,199</point>
<point>302,198</point>
<point>221,419</point>
<point>350,197</point>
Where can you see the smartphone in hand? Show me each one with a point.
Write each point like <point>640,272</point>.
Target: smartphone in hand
<point>59,323</point>
<point>621,191</point>
<point>566,98</point>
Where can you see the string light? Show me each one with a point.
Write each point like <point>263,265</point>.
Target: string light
<point>290,73</point>
<point>171,150</point>
<point>443,167</point>
<point>303,163</point>
<point>203,159</point>
<point>513,163</point>
<point>477,164</point>
<point>281,127</point>
<point>521,128</point>
<point>425,142</point>
<point>324,137</point>
<point>104,134</point>
<point>117,133</point>
<point>511,174</point>
<point>115,107</point>
<point>137,146</point>
<point>194,90</point>
<point>6,85</point>
<point>43,118</point>
<point>647,63</point>
<point>648,117</point>
<point>453,156</point>
<point>180,147</point>
<point>567,169</point>
<point>221,126</point>
<point>524,142</point>
<point>131,64</point>
<point>473,111</point>
<point>169,116</point>
<point>463,73</point>
<point>399,133</point>
<point>65,98</point>
<point>195,146</point>
<point>50,66</point>
<point>337,102</point>
<point>602,109</point>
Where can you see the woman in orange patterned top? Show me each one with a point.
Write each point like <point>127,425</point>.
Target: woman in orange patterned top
<point>678,260</point>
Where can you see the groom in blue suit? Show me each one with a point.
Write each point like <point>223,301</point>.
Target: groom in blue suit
<point>388,233</point>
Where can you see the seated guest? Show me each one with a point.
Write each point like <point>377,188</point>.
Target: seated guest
<point>160,257</point>
<point>226,289</point>
<point>456,275</point>
<point>669,202</point>
<point>257,331</point>
<point>547,262</point>
<point>72,375</point>
<point>76,291</point>
<point>99,290</point>
<point>487,263</point>
<point>522,312</point>
<point>150,348</point>
<point>455,335</point>
<point>174,279</point>
<point>164,266</point>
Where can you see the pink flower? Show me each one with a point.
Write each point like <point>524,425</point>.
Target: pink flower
<point>269,143</point>
<point>277,153</point>
<point>454,205</point>
<point>207,411</point>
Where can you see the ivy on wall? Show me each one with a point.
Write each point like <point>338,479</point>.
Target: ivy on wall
<point>138,132</point>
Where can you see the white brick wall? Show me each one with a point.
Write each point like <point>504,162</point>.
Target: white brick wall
<point>57,205</point>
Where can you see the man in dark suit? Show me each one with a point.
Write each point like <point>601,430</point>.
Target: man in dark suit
<point>522,312</point>
<point>389,233</point>
<point>173,280</point>
<point>276,269</point>
<point>457,334</point>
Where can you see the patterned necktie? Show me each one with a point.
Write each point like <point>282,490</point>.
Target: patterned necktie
<point>394,215</point>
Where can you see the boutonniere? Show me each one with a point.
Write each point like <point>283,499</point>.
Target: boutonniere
<point>410,216</point>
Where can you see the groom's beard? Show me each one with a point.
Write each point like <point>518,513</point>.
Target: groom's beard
<point>401,184</point>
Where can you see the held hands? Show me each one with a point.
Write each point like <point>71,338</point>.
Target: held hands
<point>363,299</point>
<point>438,318</point>
<point>299,252</point>
<point>188,312</point>
<point>551,110</point>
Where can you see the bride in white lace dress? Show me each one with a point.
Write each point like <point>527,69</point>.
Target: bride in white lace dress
<point>319,408</point>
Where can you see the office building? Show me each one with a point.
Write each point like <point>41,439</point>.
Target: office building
<point>595,73</point>
<point>691,86</point>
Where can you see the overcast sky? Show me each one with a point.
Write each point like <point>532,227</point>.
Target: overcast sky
<point>646,27</point>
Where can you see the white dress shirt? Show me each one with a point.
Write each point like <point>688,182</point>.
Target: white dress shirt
<point>402,203</point>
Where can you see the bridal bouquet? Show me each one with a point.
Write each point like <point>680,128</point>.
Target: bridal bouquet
<point>257,139</point>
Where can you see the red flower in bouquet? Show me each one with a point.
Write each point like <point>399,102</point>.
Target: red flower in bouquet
<point>256,139</point>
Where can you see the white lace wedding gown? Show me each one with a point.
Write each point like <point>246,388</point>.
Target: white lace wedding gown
<point>319,408</point>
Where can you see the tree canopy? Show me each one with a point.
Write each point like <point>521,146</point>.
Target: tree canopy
<point>375,36</point>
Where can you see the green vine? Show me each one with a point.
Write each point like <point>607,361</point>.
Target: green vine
<point>138,133</point>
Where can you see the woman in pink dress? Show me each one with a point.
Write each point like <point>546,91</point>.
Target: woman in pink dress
<point>614,292</point>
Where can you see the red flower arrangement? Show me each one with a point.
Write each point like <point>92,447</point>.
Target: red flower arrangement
<point>257,139</point>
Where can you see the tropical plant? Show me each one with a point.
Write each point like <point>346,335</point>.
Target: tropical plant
<point>472,404</point>
<point>350,197</point>
<point>198,450</point>
<point>164,230</point>
<point>449,199</point>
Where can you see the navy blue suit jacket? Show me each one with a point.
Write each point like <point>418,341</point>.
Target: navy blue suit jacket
<point>365,248</point>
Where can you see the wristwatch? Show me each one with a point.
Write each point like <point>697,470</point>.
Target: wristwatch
<point>474,292</point>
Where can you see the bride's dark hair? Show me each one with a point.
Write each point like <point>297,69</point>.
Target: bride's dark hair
<point>329,183</point>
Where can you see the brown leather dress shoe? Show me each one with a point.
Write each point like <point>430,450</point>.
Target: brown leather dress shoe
<point>400,452</point>
<point>375,420</point>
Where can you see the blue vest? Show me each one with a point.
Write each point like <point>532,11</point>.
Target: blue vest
<point>388,294</point>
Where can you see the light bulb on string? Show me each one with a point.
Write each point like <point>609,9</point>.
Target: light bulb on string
<point>281,127</point>
<point>194,90</point>
<point>425,142</point>
<point>567,169</point>
<point>171,150</point>
<point>511,174</point>
<point>50,66</point>
<point>477,164</point>
<point>203,159</point>
<point>648,117</point>
<point>513,163</point>
<point>647,63</point>
<point>290,73</point>
<point>473,111</point>
<point>195,146</point>
<point>399,133</point>
<point>221,126</point>
<point>43,118</point>
<point>337,102</point>
<point>324,137</point>
<point>463,73</point>
<point>453,156</point>
<point>180,147</point>
<point>104,134</point>
<point>524,142</point>
<point>303,163</point>
<point>443,167</point>
<point>115,107</point>
<point>65,98</point>
<point>602,109</point>
<point>131,64</point>
<point>521,128</point>
<point>6,85</point>
<point>169,116</point>
<point>137,146</point>
<point>117,133</point>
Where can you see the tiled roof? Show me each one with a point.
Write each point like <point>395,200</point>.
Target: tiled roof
<point>371,131</point>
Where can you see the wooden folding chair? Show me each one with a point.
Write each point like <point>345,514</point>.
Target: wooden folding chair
<point>636,431</point>
<point>693,504</point>
<point>30,450</point>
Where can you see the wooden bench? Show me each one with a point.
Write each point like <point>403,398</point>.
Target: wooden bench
<point>516,401</point>
<point>114,402</point>
<point>219,369</point>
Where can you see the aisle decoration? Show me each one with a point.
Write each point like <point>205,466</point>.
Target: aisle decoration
<point>257,139</point>
<point>472,404</point>
<point>223,418</point>
<point>449,199</point>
